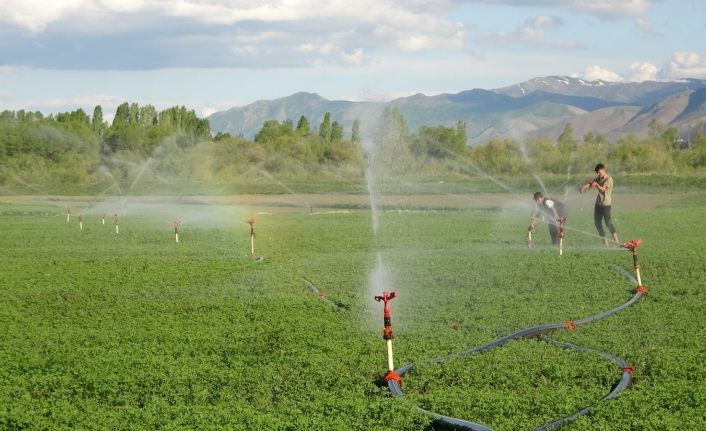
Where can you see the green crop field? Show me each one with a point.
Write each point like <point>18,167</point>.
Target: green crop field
<point>133,331</point>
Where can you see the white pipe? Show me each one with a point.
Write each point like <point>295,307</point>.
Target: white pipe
<point>252,245</point>
<point>116,229</point>
<point>390,365</point>
<point>561,246</point>
<point>177,237</point>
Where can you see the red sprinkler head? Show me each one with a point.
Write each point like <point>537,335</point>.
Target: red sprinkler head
<point>386,297</point>
<point>251,222</point>
<point>632,245</point>
<point>561,221</point>
<point>176,224</point>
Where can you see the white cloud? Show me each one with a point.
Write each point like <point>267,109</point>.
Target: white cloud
<point>34,15</point>
<point>9,70</point>
<point>681,65</point>
<point>478,54</point>
<point>604,9</point>
<point>356,57</point>
<point>595,73</point>
<point>608,9</point>
<point>208,110</point>
<point>684,65</point>
<point>643,72</point>
<point>531,32</point>
<point>152,34</point>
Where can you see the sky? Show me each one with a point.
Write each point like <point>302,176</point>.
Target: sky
<point>211,55</point>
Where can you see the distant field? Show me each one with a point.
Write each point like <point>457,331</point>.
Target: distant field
<point>132,331</point>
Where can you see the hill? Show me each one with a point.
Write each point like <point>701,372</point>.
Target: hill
<point>538,107</point>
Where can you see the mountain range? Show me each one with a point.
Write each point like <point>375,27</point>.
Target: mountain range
<point>540,107</point>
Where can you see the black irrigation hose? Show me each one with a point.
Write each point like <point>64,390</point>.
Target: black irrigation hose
<point>533,331</point>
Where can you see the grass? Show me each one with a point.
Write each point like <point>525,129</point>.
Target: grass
<point>133,331</point>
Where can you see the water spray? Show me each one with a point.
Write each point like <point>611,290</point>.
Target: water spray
<point>387,335</point>
<point>68,213</point>
<point>252,222</point>
<point>632,246</point>
<point>80,221</point>
<point>176,224</point>
<point>115,221</point>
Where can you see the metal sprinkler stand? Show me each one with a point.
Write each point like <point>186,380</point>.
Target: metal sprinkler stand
<point>530,233</point>
<point>115,221</point>
<point>80,221</point>
<point>632,246</point>
<point>252,222</point>
<point>387,335</point>
<point>68,213</point>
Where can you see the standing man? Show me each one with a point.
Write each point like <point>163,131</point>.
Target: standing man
<point>601,212</point>
<point>554,210</point>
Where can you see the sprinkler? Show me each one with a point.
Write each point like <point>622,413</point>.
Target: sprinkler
<point>251,222</point>
<point>80,221</point>
<point>115,221</point>
<point>560,226</point>
<point>176,229</point>
<point>387,335</point>
<point>530,233</point>
<point>632,246</point>
<point>68,213</point>
<point>103,218</point>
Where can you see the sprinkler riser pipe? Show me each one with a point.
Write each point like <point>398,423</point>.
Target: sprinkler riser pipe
<point>252,245</point>
<point>561,246</point>
<point>390,362</point>
<point>176,236</point>
<point>80,225</point>
<point>116,229</point>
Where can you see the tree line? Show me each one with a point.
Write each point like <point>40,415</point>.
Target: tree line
<point>77,148</point>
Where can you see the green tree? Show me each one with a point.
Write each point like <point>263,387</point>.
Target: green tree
<point>97,123</point>
<point>325,127</point>
<point>567,142</point>
<point>336,132</point>
<point>122,115</point>
<point>303,127</point>
<point>355,131</point>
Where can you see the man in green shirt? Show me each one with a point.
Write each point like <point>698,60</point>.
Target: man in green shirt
<point>601,212</point>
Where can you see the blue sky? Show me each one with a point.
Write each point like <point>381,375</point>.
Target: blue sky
<point>215,54</point>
